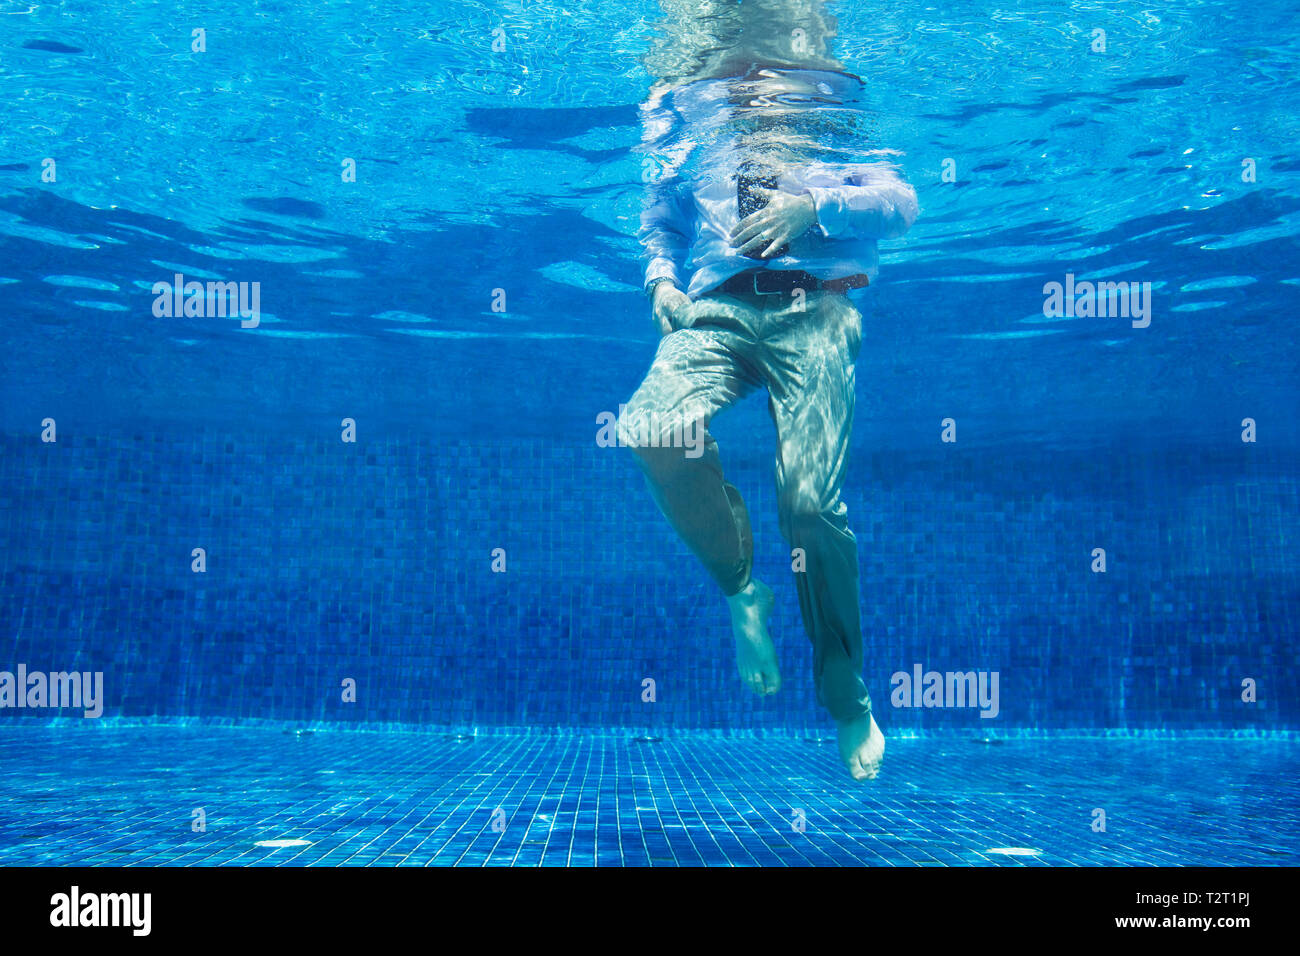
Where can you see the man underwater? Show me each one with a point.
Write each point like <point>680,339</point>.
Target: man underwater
<point>754,231</point>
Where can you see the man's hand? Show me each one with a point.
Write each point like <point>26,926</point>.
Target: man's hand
<point>668,299</point>
<point>785,217</point>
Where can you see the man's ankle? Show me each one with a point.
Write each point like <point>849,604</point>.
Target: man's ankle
<point>744,593</point>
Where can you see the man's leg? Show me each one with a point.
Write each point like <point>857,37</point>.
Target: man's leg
<point>697,372</point>
<point>808,360</point>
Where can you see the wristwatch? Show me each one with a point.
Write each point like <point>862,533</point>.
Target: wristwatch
<point>654,284</point>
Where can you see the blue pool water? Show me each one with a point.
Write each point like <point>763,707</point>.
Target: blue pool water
<point>496,154</point>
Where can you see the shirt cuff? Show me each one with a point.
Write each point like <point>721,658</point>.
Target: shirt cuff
<point>660,269</point>
<point>832,217</point>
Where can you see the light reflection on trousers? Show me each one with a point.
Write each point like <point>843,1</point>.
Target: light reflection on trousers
<point>722,349</point>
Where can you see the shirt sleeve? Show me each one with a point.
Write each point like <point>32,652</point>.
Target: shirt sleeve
<point>663,234</point>
<point>871,203</point>
<point>665,224</point>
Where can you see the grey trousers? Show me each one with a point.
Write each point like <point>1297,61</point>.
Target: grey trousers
<point>722,349</point>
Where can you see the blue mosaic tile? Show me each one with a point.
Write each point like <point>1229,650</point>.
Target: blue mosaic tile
<point>122,795</point>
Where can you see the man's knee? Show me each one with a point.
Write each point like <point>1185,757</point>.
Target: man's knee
<point>661,442</point>
<point>662,465</point>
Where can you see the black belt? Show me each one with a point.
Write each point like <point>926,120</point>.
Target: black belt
<point>785,281</point>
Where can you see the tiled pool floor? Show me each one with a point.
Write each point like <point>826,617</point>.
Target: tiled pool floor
<point>127,795</point>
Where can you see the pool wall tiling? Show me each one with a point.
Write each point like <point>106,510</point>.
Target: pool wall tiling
<point>374,562</point>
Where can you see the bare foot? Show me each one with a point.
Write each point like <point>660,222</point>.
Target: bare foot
<point>755,652</point>
<point>862,747</point>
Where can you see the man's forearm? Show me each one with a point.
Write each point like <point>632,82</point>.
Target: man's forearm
<point>881,210</point>
<point>662,236</point>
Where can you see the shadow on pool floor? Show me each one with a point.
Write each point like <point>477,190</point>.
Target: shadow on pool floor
<point>132,796</point>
